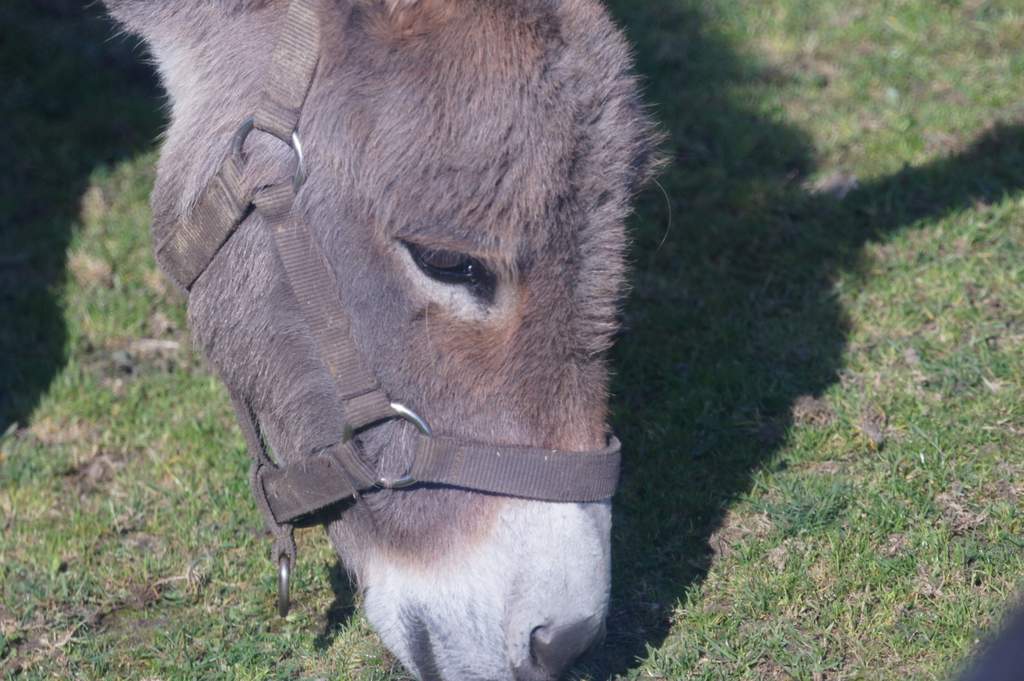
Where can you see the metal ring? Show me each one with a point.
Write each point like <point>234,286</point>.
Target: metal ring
<point>283,582</point>
<point>238,141</point>
<point>412,417</point>
<point>401,482</point>
<point>300,168</point>
<point>402,412</point>
<point>421,425</point>
<point>295,143</point>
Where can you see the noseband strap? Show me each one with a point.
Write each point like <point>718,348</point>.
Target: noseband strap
<point>308,483</point>
<point>312,483</point>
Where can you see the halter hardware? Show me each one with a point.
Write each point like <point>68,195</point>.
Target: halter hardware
<point>404,412</point>
<point>293,141</point>
<point>284,567</point>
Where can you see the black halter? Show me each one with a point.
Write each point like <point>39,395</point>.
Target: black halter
<point>286,493</point>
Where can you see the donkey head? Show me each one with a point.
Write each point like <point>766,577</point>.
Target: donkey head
<point>469,167</point>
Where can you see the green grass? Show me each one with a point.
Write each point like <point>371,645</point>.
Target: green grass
<point>822,398</point>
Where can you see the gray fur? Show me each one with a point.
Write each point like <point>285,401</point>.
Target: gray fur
<point>511,130</point>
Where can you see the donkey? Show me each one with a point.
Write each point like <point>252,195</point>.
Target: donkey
<point>470,166</point>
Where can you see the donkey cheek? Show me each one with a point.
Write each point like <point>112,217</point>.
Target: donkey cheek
<point>472,354</point>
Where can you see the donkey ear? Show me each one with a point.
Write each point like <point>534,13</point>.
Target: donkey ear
<point>146,17</point>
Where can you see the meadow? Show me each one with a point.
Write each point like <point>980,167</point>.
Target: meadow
<point>819,381</point>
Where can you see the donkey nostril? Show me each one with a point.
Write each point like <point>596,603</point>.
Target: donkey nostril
<point>554,648</point>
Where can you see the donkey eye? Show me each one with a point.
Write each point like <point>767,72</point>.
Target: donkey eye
<point>452,267</point>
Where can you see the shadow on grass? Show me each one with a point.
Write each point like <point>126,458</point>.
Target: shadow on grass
<point>341,609</point>
<point>73,100</point>
<point>732,317</point>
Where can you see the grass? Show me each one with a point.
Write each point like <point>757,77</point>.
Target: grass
<point>820,384</point>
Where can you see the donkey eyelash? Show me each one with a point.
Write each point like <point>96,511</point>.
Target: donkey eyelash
<point>455,269</point>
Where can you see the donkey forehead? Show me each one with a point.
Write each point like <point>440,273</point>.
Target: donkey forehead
<point>466,131</point>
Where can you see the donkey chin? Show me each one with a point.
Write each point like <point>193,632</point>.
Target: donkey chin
<point>522,603</point>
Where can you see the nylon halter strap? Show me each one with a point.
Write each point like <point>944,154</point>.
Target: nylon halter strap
<point>310,482</point>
